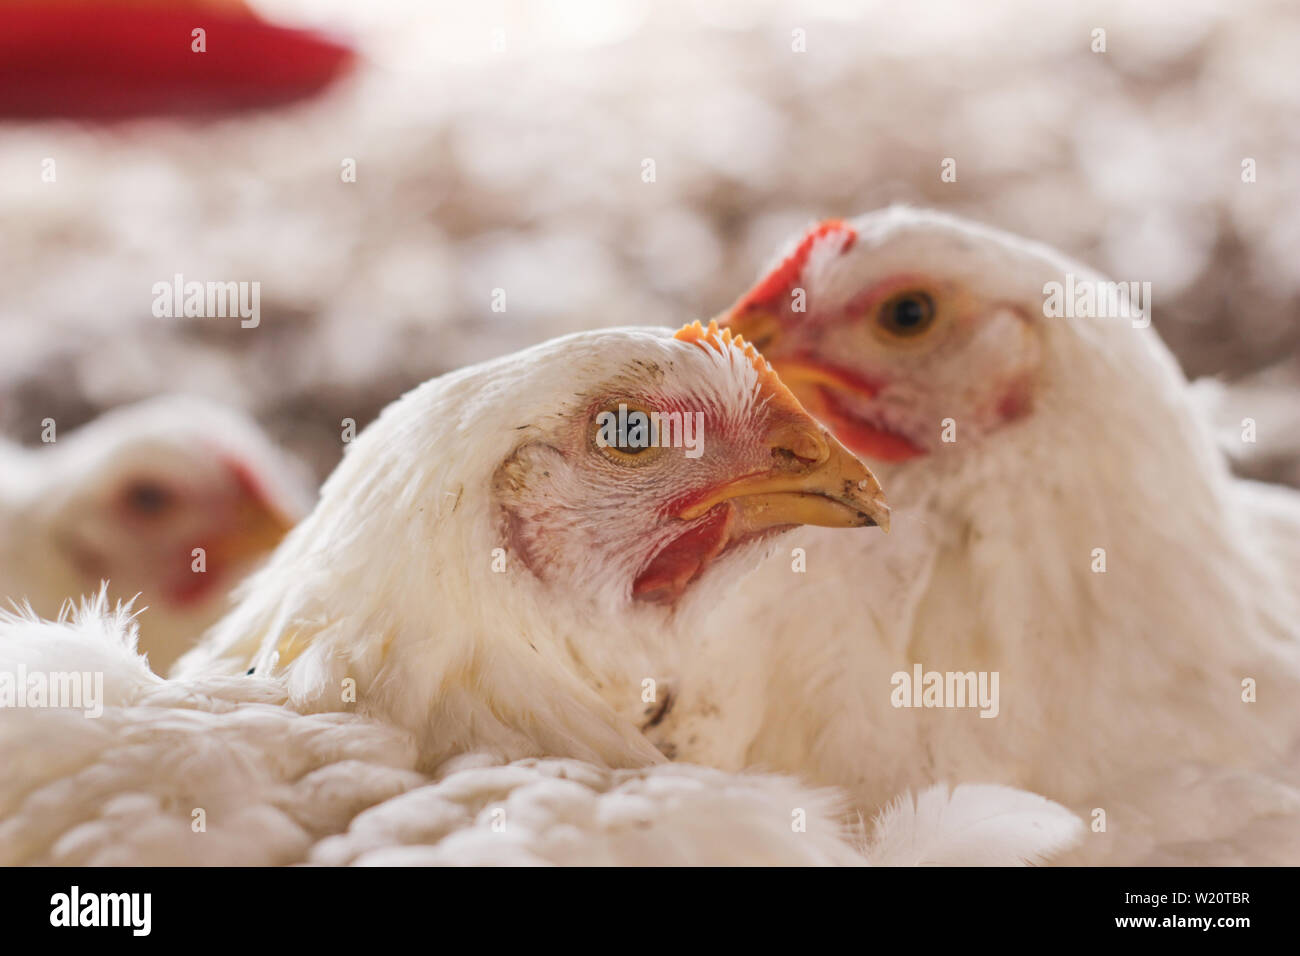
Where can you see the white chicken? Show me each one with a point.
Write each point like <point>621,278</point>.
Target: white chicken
<point>508,515</point>
<point>484,580</point>
<point>218,771</point>
<point>129,498</point>
<point>1062,522</point>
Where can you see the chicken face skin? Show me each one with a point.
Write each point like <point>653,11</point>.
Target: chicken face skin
<point>139,528</point>
<point>732,459</point>
<point>890,337</point>
<point>171,501</point>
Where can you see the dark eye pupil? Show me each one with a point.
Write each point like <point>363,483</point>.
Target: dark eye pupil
<point>629,432</point>
<point>147,498</point>
<point>909,312</point>
<point>629,444</point>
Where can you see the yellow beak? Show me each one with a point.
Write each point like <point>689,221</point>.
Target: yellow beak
<point>814,480</point>
<point>256,530</point>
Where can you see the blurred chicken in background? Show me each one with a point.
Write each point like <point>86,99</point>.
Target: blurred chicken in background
<point>173,499</point>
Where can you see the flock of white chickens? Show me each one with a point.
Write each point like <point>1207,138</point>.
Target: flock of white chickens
<point>495,640</point>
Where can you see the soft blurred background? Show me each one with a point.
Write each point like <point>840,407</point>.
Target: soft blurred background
<point>500,145</point>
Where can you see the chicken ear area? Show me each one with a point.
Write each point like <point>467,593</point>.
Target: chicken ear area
<point>685,557</point>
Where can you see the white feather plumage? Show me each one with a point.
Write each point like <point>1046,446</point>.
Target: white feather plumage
<point>61,501</point>
<point>1113,683</point>
<point>477,691</point>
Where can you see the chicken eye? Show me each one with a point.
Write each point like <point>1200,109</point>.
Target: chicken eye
<point>147,498</point>
<point>630,446</point>
<point>624,433</point>
<point>907,314</point>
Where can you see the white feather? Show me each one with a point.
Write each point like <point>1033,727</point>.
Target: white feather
<point>221,771</point>
<point>61,498</point>
<point>972,825</point>
<point>475,691</point>
<point>1107,679</point>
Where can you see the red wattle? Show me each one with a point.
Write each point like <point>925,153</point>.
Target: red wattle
<point>878,444</point>
<point>684,558</point>
<point>863,438</point>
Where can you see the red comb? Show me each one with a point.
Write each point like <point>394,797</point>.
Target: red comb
<point>720,339</point>
<point>777,283</point>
